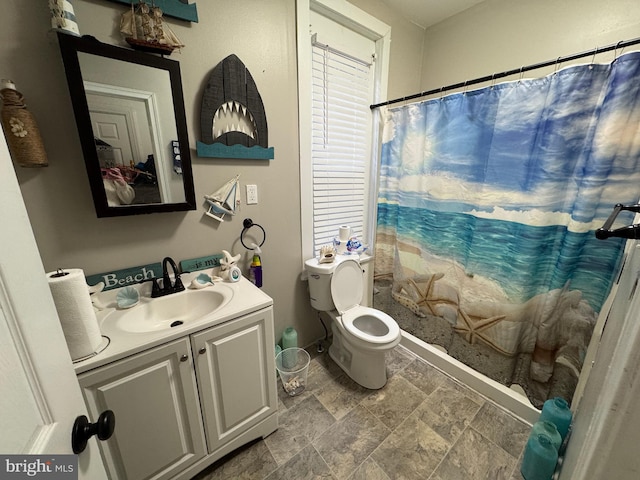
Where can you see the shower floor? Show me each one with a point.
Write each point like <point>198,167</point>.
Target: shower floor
<point>482,358</point>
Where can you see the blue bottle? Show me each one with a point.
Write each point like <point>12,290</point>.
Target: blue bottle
<point>539,459</point>
<point>556,410</point>
<point>550,430</point>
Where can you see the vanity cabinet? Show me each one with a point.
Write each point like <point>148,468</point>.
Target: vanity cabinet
<point>154,397</point>
<point>182,405</point>
<point>235,368</point>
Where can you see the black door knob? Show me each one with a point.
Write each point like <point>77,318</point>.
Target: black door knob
<point>83,430</point>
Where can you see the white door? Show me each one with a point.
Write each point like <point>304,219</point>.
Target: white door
<point>606,426</point>
<point>40,394</point>
<point>127,125</point>
<point>113,129</point>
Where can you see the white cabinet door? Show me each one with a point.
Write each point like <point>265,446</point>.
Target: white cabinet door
<point>236,374</point>
<point>155,400</point>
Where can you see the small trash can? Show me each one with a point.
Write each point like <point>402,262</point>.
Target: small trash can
<point>292,365</point>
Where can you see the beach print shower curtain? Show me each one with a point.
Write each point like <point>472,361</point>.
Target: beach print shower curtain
<point>489,200</point>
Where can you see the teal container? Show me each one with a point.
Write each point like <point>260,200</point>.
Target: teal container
<point>539,459</point>
<point>556,410</point>
<point>548,429</point>
<point>289,340</point>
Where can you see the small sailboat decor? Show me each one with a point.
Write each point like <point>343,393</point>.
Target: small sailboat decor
<point>144,29</point>
<point>223,201</point>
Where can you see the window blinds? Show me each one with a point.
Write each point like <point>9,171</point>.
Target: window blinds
<point>341,132</point>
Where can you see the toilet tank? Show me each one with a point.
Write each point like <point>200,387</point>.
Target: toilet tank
<point>319,275</point>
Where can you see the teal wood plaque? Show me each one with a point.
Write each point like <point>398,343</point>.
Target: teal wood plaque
<point>201,263</point>
<point>128,276</point>
<point>143,273</point>
<point>172,8</point>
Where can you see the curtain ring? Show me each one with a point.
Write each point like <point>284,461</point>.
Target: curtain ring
<point>557,65</point>
<point>464,87</point>
<point>521,73</point>
<point>615,51</point>
<point>493,80</point>
<point>595,52</point>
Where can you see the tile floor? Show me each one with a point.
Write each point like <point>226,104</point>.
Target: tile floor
<point>421,425</point>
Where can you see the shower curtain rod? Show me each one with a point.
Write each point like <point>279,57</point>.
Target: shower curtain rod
<point>534,66</point>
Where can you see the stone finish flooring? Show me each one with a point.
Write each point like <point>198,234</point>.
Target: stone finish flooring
<point>421,425</point>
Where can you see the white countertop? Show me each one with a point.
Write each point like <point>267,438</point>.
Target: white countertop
<point>247,298</point>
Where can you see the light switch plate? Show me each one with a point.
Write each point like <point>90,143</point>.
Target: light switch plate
<point>252,194</point>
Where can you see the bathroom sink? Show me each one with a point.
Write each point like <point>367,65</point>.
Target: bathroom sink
<point>171,311</point>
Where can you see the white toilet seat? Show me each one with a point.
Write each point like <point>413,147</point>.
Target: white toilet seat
<point>368,326</point>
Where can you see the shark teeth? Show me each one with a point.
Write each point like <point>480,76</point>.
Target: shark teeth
<point>233,116</point>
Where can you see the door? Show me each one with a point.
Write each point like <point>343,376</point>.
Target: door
<point>606,426</point>
<point>40,394</point>
<point>154,397</point>
<point>113,129</point>
<point>235,368</point>
<point>128,121</point>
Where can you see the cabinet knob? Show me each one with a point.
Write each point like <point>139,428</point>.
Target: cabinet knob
<point>83,430</point>
<point>202,350</point>
<point>184,358</point>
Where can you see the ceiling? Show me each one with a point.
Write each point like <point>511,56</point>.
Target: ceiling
<point>425,13</point>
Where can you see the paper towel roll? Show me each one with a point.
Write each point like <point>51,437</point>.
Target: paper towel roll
<point>345,233</point>
<point>73,303</point>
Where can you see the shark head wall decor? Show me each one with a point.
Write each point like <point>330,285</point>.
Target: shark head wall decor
<point>233,123</point>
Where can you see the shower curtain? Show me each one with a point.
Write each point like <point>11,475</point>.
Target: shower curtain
<point>488,204</point>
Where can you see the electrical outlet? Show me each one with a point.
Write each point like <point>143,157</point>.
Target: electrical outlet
<point>252,194</point>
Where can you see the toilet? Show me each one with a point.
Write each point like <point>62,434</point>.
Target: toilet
<point>361,335</point>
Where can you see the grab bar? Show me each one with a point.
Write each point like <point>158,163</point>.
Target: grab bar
<point>630,231</point>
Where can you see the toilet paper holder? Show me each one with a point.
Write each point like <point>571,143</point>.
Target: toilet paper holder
<point>59,273</point>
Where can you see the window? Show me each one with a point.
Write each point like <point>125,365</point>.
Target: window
<point>342,88</point>
<point>342,59</point>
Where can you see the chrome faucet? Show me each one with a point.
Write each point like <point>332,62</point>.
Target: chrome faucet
<point>168,288</point>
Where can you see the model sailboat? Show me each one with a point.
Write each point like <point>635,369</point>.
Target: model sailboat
<point>223,201</point>
<point>144,29</point>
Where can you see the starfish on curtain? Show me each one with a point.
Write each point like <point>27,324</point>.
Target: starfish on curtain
<point>409,293</point>
<point>473,329</point>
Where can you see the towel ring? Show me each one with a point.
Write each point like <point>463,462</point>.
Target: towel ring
<point>248,223</point>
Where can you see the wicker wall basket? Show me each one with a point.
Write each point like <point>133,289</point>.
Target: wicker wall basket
<point>21,131</point>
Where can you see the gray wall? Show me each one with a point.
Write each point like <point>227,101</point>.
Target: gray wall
<point>495,35</point>
<point>501,35</point>
<point>58,199</point>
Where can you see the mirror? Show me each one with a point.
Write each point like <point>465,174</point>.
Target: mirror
<point>130,115</point>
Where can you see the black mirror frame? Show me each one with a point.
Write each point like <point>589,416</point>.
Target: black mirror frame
<point>70,45</point>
